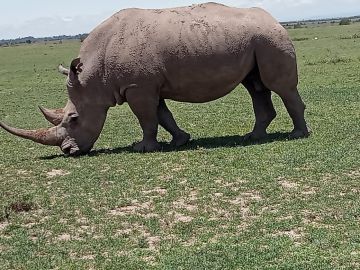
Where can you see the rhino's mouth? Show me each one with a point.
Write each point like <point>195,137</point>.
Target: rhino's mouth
<point>70,147</point>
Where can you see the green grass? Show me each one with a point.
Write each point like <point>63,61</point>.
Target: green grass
<point>214,204</point>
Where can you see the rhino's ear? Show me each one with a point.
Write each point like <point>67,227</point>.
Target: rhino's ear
<point>75,69</point>
<point>63,70</point>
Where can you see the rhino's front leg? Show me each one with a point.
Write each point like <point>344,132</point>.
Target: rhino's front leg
<point>167,121</point>
<point>144,105</point>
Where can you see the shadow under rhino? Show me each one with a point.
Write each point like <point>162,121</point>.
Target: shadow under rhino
<point>230,141</point>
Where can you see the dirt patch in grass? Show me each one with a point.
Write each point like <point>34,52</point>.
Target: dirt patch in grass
<point>178,217</point>
<point>140,235</point>
<point>193,195</point>
<point>56,173</point>
<point>23,172</point>
<point>88,257</point>
<point>156,191</point>
<point>3,225</point>
<point>182,204</point>
<point>286,184</point>
<point>134,208</point>
<point>124,232</point>
<point>243,201</point>
<point>251,195</point>
<point>153,242</point>
<point>191,242</point>
<point>151,260</point>
<point>307,191</point>
<point>284,218</point>
<point>353,174</point>
<point>29,225</point>
<point>64,237</point>
<point>223,207</point>
<point>225,183</point>
<point>314,219</point>
<point>295,234</point>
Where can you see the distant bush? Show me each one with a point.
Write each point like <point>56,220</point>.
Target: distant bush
<point>300,39</point>
<point>328,60</point>
<point>354,36</point>
<point>345,22</point>
<point>83,37</point>
<point>297,26</point>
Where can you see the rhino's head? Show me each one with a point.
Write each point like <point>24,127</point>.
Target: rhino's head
<point>77,126</point>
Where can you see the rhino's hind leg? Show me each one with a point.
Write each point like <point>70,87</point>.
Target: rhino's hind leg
<point>278,72</point>
<point>145,109</point>
<point>167,121</point>
<point>296,109</point>
<point>262,105</point>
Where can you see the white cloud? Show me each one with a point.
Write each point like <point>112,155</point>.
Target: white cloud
<point>67,19</point>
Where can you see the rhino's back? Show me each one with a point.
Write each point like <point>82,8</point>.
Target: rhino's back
<point>207,46</point>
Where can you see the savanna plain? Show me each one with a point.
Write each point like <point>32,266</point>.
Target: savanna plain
<point>217,203</point>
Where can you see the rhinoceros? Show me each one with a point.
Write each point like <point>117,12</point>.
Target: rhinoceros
<point>189,54</point>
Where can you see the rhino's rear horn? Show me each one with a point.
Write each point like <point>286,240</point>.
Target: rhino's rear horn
<point>44,136</point>
<point>53,116</point>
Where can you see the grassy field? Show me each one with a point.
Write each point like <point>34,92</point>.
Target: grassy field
<point>215,204</point>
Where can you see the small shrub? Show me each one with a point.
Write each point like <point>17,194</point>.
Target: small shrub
<point>345,22</point>
<point>83,37</point>
<point>300,39</point>
<point>354,36</point>
<point>328,60</point>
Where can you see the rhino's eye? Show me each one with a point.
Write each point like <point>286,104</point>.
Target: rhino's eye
<point>73,117</point>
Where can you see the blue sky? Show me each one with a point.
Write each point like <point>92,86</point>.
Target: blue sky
<point>19,18</point>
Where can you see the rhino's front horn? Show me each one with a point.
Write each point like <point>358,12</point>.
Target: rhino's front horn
<point>53,116</point>
<point>63,70</point>
<point>52,136</point>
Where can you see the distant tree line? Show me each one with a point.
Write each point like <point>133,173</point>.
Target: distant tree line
<point>304,23</point>
<point>30,39</point>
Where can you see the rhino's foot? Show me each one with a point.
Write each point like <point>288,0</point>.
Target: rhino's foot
<point>254,136</point>
<point>180,139</point>
<point>298,134</point>
<point>145,146</point>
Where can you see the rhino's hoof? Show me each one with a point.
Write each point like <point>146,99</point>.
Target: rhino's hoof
<point>180,139</point>
<point>298,134</point>
<point>253,136</point>
<point>145,147</point>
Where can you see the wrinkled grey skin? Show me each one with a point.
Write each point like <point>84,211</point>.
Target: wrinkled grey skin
<point>190,54</point>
